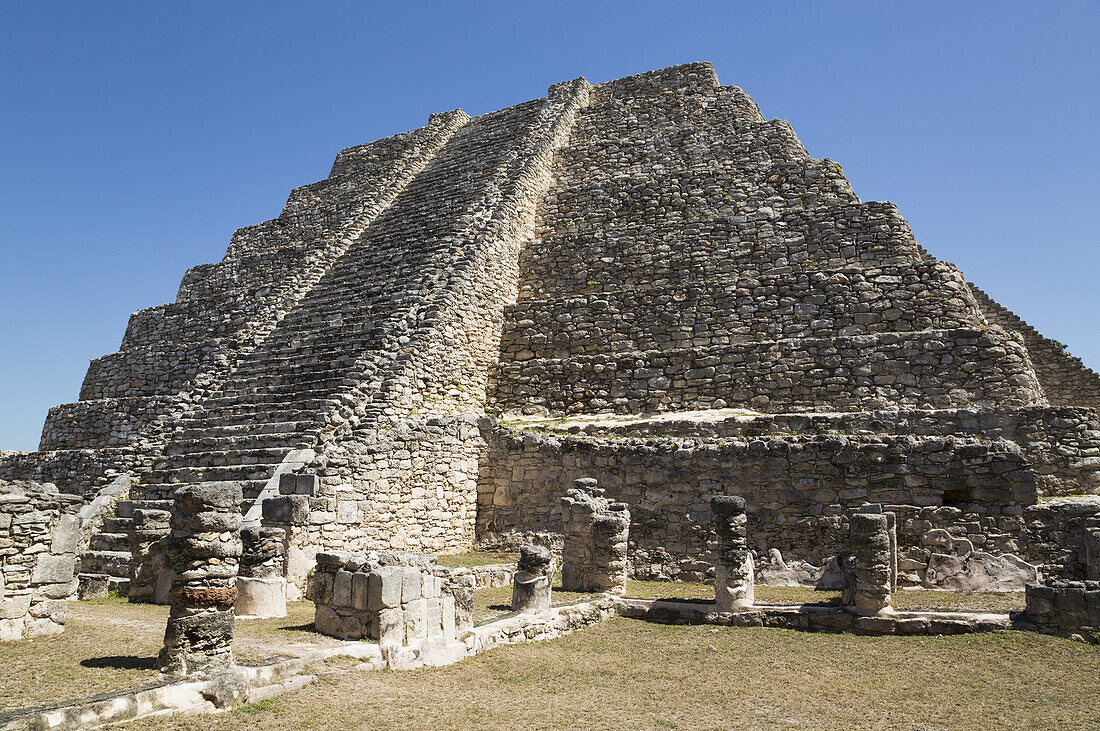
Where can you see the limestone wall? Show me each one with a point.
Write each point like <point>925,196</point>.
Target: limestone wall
<point>926,369</point>
<point>39,536</point>
<point>798,488</point>
<point>1061,442</point>
<point>739,309</point>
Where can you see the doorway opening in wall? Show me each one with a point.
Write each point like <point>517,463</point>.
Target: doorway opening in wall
<point>956,496</point>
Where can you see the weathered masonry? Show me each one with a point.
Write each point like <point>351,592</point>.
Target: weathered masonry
<point>643,282</point>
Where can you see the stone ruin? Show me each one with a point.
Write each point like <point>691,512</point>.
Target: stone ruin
<point>398,598</point>
<point>871,564</point>
<point>203,551</point>
<point>645,282</point>
<point>261,581</point>
<point>532,582</point>
<point>39,534</point>
<point>734,579</point>
<point>596,529</point>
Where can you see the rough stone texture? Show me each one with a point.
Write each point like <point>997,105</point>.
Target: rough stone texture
<point>39,536</point>
<point>1066,608</point>
<point>1092,554</point>
<point>734,578</point>
<point>398,598</point>
<point>594,550</point>
<point>532,581</point>
<point>870,564</point>
<point>261,581</point>
<point>798,490</point>
<point>204,551</point>
<point>652,243</point>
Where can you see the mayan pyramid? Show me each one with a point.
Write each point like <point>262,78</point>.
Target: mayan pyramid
<point>644,281</point>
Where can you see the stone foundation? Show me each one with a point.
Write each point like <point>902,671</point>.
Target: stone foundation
<point>870,565</point>
<point>532,581</point>
<point>261,583</point>
<point>395,598</point>
<point>733,571</point>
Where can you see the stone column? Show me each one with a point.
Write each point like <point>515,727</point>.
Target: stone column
<point>261,583</point>
<point>531,584</point>
<point>870,563</point>
<point>594,554</point>
<point>150,578</point>
<point>203,550</point>
<point>733,569</point>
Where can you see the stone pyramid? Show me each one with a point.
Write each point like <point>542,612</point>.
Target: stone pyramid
<point>644,281</point>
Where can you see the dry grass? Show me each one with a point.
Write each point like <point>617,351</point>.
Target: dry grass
<point>909,600</point>
<point>624,674</point>
<point>495,601</point>
<point>111,645</point>
<point>107,645</point>
<point>477,558</point>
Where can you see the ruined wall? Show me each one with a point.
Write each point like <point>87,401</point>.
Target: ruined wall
<point>798,488</point>
<point>39,536</point>
<point>1062,443</point>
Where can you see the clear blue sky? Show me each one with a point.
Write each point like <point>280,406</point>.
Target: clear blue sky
<point>137,136</point>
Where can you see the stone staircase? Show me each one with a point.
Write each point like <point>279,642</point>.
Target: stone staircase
<point>328,357</point>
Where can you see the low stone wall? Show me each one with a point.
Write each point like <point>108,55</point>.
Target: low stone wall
<point>394,598</point>
<point>798,488</point>
<point>39,536</point>
<point>928,369</point>
<point>1066,607</point>
<point>1061,442</point>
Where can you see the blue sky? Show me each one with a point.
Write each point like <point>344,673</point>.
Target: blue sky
<point>137,137</point>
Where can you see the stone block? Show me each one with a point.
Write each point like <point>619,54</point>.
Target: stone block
<point>341,589</point>
<point>66,535</point>
<point>51,569</point>
<point>260,598</point>
<point>435,618</point>
<point>291,509</point>
<point>447,614</point>
<point>327,621</point>
<point>416,620</point>
<point>413,584</point>
<point>385,587</point>
<point>360,591</point>
<point>1092,607</point>
<point>391,627</point>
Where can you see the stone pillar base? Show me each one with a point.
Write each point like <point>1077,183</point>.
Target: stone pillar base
<point>260,598</point>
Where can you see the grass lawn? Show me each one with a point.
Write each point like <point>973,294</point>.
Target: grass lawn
<point>631,674</point>
<point>911,599</point>
<point>110,644</point>
<point>477,558</point>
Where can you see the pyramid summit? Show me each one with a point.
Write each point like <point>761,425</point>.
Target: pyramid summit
<point>642,281</point>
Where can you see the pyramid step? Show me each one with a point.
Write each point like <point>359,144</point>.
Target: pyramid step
<point>109,542</point>
<point>116,525</point>
<point>112,563</point>
<point>281,440</point>
<point>926,369</point>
